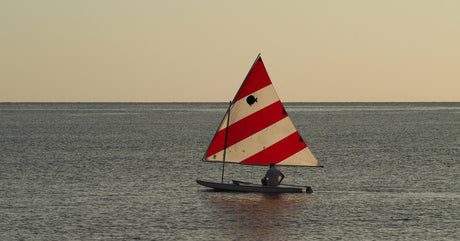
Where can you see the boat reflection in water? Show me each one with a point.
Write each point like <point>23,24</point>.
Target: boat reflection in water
<point>257,216</point>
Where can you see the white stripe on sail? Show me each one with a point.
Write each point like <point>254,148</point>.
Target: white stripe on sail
<point>241,109</point>
<point>302,158</point>
<point>257,142</point>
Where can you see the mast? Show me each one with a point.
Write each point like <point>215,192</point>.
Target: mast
<point>225,144</point>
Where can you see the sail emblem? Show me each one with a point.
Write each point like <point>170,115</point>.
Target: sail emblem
<point>251,100</point>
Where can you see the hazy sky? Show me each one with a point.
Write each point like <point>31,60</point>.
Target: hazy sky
<point>314,50</point>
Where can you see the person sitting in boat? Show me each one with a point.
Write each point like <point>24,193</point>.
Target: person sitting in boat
<point>273,177</point>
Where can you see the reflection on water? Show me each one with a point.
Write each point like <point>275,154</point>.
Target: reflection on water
<point>257,216</point>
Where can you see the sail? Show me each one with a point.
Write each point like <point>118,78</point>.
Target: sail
<point>259,129</point>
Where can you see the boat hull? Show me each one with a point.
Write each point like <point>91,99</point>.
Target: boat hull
<point>238,186</point>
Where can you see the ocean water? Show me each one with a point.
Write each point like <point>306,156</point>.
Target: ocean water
<point>126,171</point>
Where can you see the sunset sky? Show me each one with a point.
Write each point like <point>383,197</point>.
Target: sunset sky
<point>201,50</point>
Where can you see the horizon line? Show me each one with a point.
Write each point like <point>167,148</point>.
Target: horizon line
<point>200,102</point>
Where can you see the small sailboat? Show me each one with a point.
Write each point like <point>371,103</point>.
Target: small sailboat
<point>256,130</point>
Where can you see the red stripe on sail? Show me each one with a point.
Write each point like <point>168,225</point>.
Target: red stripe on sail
<point>278,151</point>
<point>257,79</point>
<point>247,126</point>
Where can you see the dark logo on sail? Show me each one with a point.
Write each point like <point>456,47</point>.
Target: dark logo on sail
<point>251,100</point>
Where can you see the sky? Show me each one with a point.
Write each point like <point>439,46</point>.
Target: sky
<point>201,50</point>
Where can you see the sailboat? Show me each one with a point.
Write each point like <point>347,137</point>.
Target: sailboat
<point>256,130</point>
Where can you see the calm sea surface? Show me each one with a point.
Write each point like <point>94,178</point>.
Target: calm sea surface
<point>94,171</point>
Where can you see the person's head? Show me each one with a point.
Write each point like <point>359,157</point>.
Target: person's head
<point>272,164</point>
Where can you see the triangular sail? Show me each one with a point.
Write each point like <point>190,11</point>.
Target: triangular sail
<point>259,129</point>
